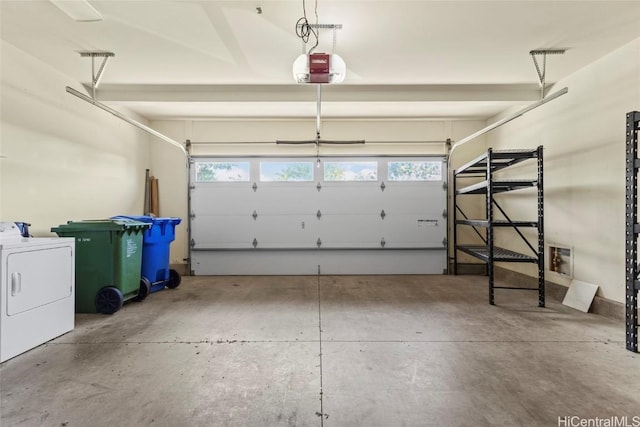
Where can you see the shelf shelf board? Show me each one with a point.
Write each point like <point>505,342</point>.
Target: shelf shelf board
<point>496,223</point>
<point>499,254</point>
<point>500,159</point>
<point>499,186</point>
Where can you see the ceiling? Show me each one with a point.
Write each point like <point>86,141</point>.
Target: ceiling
<point>187,59</point>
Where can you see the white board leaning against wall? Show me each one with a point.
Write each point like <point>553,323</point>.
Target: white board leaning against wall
<point>302,216</point>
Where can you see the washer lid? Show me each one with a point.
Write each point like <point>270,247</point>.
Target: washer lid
<point>9,230</point>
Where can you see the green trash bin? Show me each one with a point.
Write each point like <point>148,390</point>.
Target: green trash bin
<point>108,263</point>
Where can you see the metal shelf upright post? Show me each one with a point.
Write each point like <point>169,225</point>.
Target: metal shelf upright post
<point>632,231</point>
<point>484,167</point>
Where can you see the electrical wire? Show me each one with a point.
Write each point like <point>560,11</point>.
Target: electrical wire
<point>304,30</point>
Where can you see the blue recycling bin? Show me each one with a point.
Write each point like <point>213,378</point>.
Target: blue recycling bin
<point>156,243</point>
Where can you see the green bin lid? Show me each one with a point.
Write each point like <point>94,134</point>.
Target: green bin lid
<point>102,225</point>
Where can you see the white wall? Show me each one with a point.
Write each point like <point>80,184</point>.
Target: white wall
<point>583,134</point>
<point>223,135</point>
<point>63,159</point>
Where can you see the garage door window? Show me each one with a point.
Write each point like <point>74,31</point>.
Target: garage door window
<point>415,171</point>
<point>286,171</point>
<point>222,171</point>
<point>351,171</point>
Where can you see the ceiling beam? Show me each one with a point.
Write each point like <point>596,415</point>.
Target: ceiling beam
<point>306,93</point>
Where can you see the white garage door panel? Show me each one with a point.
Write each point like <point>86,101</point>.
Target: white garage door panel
<point>415,198</point>
<point>413,231</point>
<point>306,262</point>
<point>350,231</point>
<point>239,263</point>
<point>223,199</point>
<point>223,231</point>
<point>384,262</point>
<point>285,199</point>
<point>350,199</point>
<point>286,231</point>
<point>286,226</point>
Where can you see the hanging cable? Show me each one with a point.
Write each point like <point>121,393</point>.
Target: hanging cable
<point>304,30</point>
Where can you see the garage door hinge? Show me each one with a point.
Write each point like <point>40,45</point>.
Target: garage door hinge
<point>192,215</point>
<point>382,186</point>
<point>383,214</point>
<point>444,242</point>
<point>445,185</point>
<point>255,242</point>
<point>255,187</point>
<point>382,242</point>
<point>444,213</point>
<point>319,187</point>
<point>254,215</point>
<point>192,187</point>
<point>319,242</point>
<point>193,243</point>
<point>319,214</point>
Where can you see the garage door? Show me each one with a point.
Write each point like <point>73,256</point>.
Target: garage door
<point>303,216</point>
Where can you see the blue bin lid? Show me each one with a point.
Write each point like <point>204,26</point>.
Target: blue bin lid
<point>149,219</point>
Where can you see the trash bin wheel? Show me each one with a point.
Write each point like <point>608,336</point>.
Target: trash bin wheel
<point>174,279</point>
<point>108,300</point>
<point>144,290</point>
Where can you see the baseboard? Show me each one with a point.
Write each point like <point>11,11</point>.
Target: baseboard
<point>601,306</point>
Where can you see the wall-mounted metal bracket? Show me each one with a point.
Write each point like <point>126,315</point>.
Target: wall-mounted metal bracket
<point>96,76</point>
<point>542,71</point>
<point>95,81</point>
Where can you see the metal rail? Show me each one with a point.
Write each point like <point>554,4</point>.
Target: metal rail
<point>129,120</point>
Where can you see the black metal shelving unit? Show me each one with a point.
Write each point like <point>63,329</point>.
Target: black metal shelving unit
<point>484,167</point>
<point>632,230</point>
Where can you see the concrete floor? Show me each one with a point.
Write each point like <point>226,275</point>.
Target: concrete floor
<point>334,351</point>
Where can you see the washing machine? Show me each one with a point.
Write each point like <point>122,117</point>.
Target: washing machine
<point>37,297</point>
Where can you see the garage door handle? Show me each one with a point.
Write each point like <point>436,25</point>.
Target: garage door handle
<point>16,283</point>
